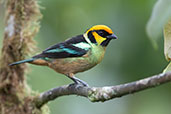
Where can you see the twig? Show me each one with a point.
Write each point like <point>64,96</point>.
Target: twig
<point>96,94</point>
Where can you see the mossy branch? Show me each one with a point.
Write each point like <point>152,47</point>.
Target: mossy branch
<point>96,94</point>
<point>21,25</point>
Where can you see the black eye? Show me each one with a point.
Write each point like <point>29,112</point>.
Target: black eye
<point>102,33</point>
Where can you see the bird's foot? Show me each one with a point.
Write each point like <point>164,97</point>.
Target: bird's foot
<point>78,81</point>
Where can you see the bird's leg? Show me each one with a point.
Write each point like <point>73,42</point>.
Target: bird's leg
<point>77,80</point>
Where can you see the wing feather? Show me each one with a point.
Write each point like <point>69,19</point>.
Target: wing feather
<point>74,47</point>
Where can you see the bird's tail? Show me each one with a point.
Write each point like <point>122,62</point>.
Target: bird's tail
<point>23,61</point>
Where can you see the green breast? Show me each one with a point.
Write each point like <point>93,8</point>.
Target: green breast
<point>97,54</point>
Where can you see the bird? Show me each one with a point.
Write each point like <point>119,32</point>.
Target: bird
<point>76,54</point>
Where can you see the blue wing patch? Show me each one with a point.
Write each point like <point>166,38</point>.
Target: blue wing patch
<point>82,45</point>
<point>63,49</point>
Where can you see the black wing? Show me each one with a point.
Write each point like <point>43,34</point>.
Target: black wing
<point>65,49</point>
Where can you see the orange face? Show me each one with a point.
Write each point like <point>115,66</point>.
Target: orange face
<point>101,27</point>
<point>99,38</point>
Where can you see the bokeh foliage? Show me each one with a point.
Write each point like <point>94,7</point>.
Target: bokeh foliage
<point>129,58</point>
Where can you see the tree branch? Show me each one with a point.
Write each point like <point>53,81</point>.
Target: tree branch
<point>96,94</point>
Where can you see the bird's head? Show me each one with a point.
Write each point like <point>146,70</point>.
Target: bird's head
<point>100,35</point>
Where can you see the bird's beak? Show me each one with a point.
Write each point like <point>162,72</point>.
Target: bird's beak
<point>112,36</point>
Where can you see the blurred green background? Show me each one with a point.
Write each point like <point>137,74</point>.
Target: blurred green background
<point>127,59</point>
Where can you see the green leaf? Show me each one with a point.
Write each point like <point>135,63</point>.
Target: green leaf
<point>167,44</point>
<point>167,40</point>
<point>160,16</point>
